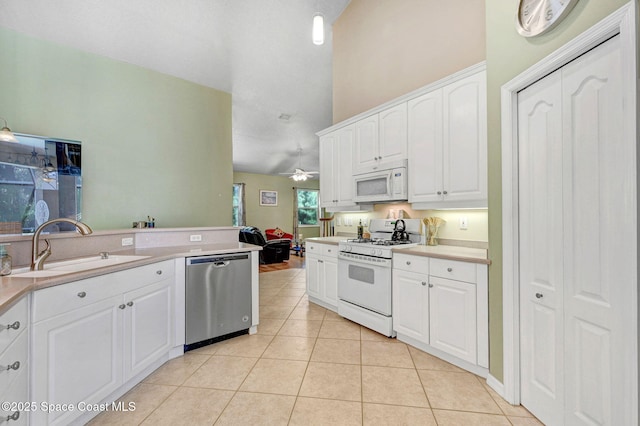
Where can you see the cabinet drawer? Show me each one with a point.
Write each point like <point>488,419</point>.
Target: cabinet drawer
<point>14,357</point>
<point>452,269</point>
<point>329,250</point>
<point>145,275</point>
<point>405,262</point>
<point>313,249</point>
<point>63,298</point>
<point>67,297</point>
<point>18,395</point>
<point>17,317</point>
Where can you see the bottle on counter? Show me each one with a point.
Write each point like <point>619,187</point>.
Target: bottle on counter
<point>5,260</point>
<point>360,230</point>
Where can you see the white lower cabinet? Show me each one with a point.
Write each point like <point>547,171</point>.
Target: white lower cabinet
<point>14,349</point>
<point>322,274</point>
<point>85,353</point>
<point>147,326</point>
<point>411,305</point>
<point>435,310</point>
<point>452,310</point>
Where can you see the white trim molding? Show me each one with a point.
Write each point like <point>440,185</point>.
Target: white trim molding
<point>622,22</point>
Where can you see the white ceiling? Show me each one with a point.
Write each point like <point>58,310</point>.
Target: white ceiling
<point>258,50</point>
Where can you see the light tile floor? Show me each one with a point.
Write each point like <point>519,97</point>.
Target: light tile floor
<point>308,366</point>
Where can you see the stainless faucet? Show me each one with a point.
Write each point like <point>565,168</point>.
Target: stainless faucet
<point>37,259</point>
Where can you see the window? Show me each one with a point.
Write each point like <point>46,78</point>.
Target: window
<point>308,208</point>
<point>40,180</point>
<point>239,217</point>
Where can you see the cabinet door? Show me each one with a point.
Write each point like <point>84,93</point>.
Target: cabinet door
<point>425,148</point>
<point>330,281</point>
<point>393,134</point>
<point>452,314</point>
<point>465,139</point>
<point>366,145</point>
<point>411,305</point>
<point>148,326</point>
<point>343,169</point>
<point>313,276</point>
<point>327,163</point>
<point>77,356</point>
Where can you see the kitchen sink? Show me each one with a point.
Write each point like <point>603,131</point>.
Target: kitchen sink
<point>77,265</point>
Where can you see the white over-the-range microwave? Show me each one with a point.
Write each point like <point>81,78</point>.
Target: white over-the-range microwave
<point>387,184</point>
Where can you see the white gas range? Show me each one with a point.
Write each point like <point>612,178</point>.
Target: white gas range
<point>364,272</point>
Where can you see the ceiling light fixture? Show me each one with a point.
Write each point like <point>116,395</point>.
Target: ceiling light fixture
<point>317,33</point>
<point>6,135</point>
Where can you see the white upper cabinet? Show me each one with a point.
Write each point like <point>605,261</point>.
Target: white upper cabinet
<point>425,147</point>
<point>393,134</point>
<point>366,145</point>
<point>336,162</point>
<point>380,139</point>
<point>447,134</point>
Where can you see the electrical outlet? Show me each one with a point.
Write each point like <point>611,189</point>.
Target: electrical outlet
<point>127,242</point>
<point>197,237</point>
<point>464,223</point>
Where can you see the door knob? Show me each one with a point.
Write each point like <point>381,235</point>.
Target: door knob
<point>539,295</point>
<point>130,303</point>
<point>122,306</point>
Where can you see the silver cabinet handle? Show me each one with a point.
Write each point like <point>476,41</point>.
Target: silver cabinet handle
<point>430,285</point>
<point>320,261</point>
<point>539,295</point>
<point>159,272</point>
<point>449,269</point>
<point>15,416</point>
<point>14,326</point>
<point>122,306</point>
<point>329,250</point>
<point>408,262</point>
<point>14,366</point>
<point>439,192</point>
<point>424,283</point>
<point>444,192</point>
<point>82,294</point>
<point>130,303</point>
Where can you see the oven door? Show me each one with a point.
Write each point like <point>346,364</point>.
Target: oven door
<point>364,283</point>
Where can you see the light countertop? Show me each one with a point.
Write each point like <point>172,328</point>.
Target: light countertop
<point>13,287</point>
<point>465,254</point>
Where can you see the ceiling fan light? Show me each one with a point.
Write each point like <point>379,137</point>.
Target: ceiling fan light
<point>317,34</point>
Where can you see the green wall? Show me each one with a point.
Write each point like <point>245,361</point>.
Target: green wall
<point>508,55</point>
<point>152,144</point>
<point>271,217</point>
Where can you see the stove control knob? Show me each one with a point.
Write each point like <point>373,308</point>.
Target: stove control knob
<point>347,248</point>
<point>373,252</point>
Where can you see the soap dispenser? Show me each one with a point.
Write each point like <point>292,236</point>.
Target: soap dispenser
<point>5,261</point>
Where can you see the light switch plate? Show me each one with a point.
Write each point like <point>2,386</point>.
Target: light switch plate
<point>127,242</point>
<point>197,237</point>
<point>464,223</point>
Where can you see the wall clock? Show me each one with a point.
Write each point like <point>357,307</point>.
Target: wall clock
<point>536,17</point>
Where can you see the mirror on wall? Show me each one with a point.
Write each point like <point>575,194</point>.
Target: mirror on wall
<point>40,180</point>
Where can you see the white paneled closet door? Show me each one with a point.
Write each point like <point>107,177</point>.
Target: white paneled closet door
<point>541,233</point>
<point>577,186</point>
<point>598,180</point>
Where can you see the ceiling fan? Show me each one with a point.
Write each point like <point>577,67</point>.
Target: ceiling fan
<point>300,174</point>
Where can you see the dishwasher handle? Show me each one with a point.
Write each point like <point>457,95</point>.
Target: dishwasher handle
<point>218,261</point>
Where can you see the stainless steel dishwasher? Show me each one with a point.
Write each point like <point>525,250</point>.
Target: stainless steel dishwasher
<point>218,297</point>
